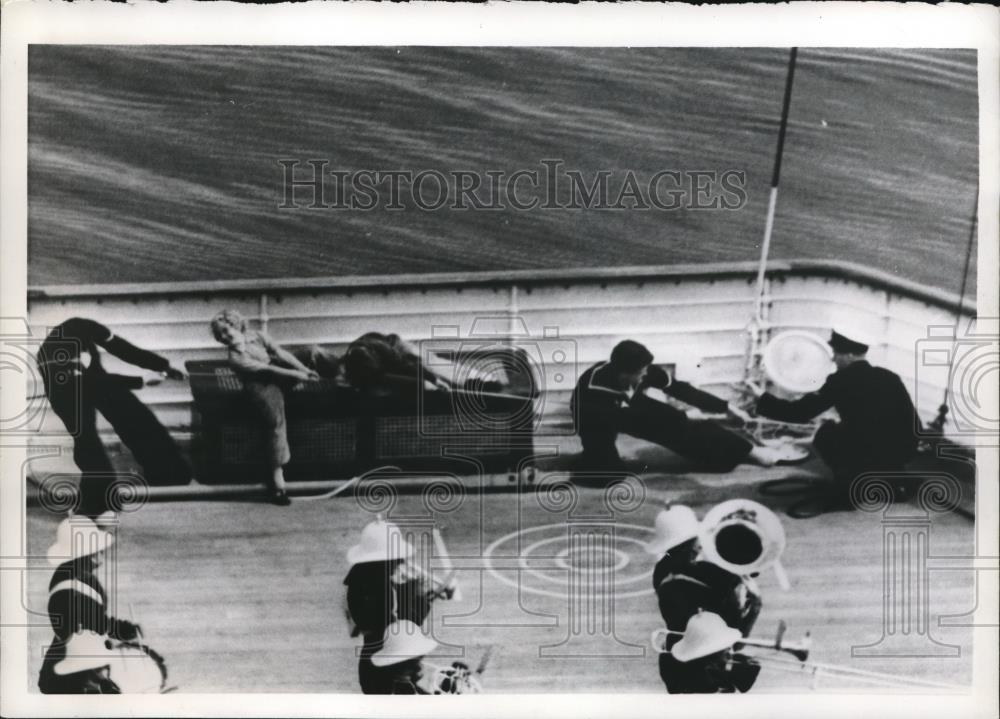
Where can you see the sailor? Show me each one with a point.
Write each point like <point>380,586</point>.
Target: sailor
<point>78,387</point>
<point>703,661</point>
<point>385,585</point>
<point>382,364</point>
<point>397,665</point>
<point>610,399</point>
<point>371,598</point>
<point>685,582</point>
<point>878,424</point>
<point>78,664</point>
<point>77,598</point>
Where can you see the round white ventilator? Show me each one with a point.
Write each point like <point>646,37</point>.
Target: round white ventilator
<point>798,361</point>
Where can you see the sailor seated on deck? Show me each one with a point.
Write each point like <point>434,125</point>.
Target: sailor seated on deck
<point>878,424</point>
<point>610,399</point>
<point>267,370</point>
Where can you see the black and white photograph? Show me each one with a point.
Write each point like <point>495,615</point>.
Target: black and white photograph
<point>604,367</point>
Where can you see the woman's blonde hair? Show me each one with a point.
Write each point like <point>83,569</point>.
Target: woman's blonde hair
<point>230,318</point>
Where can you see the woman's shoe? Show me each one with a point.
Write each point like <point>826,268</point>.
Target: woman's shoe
<point>280,497</point>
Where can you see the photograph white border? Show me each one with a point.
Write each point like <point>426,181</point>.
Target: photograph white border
<point>493,24</point>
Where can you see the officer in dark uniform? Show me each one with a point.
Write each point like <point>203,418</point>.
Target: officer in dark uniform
<point>78,387</point>
<point>878,424</point>
<point>609,399</point>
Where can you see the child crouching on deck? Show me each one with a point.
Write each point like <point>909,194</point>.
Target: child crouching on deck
<point>265,367</point>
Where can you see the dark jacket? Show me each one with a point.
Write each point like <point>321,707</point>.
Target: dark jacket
<point>878,419</point>
<point>684,588</point>
<point>375,599</point>
<point>602,412</point>
<point>375,360</point>
<point>78,601</point>
<point>722,673</point>
<point>90,681</point>
<point>60,352</point>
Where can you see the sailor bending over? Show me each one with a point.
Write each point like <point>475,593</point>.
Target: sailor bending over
<point>878,424</point>
<point>79,387</point>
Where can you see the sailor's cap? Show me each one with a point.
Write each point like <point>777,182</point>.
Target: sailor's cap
<point>849,343</point>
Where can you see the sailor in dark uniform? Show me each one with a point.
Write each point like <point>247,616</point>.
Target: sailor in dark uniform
<point>78,664</point>
<point>77,598</point>
<point>383,586</point>
<point>703,660</point>
<point>77,660</point>
<point>78,388</point>
<point>397,665</point>
<point>878,424</point>
<point>685,586</point>
<point>610,398</point>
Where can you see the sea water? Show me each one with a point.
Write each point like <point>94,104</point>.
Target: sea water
<point>162,163</point>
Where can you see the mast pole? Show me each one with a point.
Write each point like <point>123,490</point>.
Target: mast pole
<point>758,318</point>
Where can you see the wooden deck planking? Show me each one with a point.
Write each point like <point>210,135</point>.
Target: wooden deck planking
<point>245,597</point>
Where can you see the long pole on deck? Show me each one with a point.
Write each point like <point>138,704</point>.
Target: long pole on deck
<point>756,325</point>
<point>775,177</point>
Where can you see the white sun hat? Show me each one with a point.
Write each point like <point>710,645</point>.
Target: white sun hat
<point>706,633</point>
<point>403,640</point>
<point>380,542</point>
<point>673,526</point>
<point>78,536</point>
<point>84,650</point>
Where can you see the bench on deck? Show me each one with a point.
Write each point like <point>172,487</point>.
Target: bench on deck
<point>336,431</point>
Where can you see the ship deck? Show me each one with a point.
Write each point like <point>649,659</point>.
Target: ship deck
<point>243,596</point>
